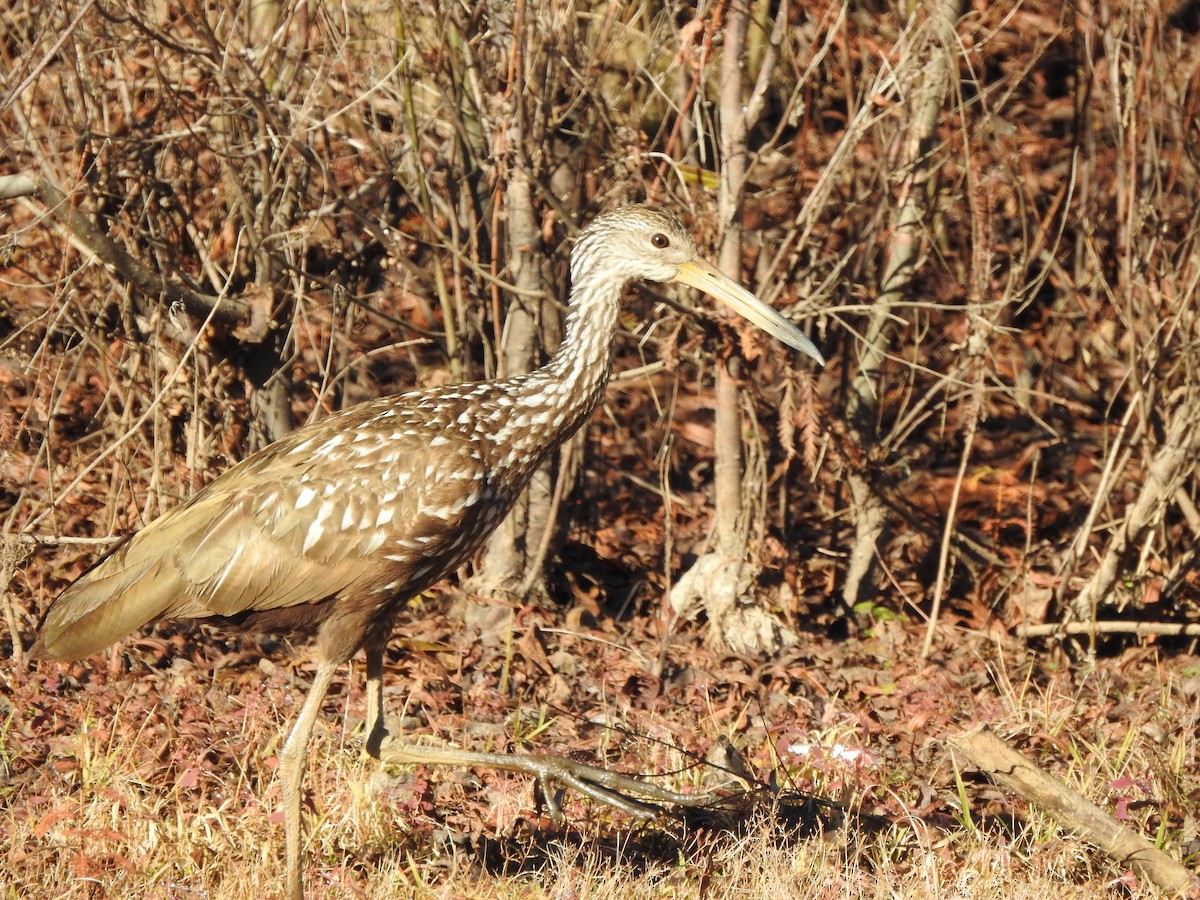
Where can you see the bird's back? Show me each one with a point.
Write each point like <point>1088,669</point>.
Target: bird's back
<point>337,519</point>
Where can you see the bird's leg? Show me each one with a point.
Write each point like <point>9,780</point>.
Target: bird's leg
<point>374,728</point>
<point>612,788</point>
<point>291,769</point>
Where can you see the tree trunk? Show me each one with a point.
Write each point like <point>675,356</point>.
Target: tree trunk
<point>505,563</point>
<point>721,583</point>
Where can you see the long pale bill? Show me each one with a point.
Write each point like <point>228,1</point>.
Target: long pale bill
<point>708,278</point>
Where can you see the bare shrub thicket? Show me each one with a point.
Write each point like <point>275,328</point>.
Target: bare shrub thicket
<point>294,207</point>
<point>220,219</point>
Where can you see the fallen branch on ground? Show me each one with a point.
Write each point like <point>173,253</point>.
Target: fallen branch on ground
<point>1014,772</point>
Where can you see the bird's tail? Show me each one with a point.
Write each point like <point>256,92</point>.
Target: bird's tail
<point>120,594</point>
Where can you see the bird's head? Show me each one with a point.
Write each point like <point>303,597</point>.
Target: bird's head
<point>645,242</point>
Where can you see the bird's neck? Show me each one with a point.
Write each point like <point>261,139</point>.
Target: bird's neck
<point>584,361</point>
<point>551,403</point>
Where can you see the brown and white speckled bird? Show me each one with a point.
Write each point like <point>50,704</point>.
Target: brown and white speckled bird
<point>334,527</point>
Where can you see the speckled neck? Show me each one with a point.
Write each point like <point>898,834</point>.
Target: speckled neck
<point>551,403</point>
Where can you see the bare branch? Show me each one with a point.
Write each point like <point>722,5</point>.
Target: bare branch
<point>228,310</point>
<point>1014,772</point>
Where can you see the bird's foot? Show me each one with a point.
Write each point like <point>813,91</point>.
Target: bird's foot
<point>377,737</point>
<point>553,774</point>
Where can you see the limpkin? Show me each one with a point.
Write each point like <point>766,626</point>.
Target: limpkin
<point>335,526</point>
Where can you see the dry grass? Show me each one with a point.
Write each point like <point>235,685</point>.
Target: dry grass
<point>161,783</point>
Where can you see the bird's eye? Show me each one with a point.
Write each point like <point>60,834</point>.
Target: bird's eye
<point>661,241</point>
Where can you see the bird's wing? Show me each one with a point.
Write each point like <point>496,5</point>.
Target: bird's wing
<point>334,531</point>
<point>301,524</point>
<point>232,555</point>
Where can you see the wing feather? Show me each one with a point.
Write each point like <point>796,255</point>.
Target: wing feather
<point>311,521</point>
